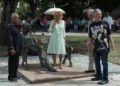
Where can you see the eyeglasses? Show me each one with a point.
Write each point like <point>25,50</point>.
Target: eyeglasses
<point>99,14</point>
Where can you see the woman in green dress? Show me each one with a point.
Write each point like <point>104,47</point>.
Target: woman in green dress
<point>56,44</point>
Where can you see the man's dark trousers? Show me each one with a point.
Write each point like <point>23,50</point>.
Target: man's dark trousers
<point>103,56</point>
<point>13,62</point>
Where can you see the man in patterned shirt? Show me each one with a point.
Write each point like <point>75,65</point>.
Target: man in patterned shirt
<point>100,34</point>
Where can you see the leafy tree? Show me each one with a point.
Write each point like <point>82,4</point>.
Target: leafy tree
<point>35,8</point>
<point>33,5</point>
<point>76,7</point>
<point>23,8</point>
<point>107,5</point>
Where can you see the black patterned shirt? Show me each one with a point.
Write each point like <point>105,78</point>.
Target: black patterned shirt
<point>99,32</point>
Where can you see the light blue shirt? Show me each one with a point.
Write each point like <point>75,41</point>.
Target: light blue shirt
<point>109,20</point>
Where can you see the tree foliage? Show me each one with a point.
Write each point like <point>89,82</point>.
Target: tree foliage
<point>35,8</point>
<point>107,5</point>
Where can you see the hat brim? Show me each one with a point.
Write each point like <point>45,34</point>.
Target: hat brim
<point>52,11</point>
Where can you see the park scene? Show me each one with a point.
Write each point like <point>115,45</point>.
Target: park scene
<point>59,42</point>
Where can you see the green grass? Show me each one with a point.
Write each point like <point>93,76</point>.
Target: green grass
<point>79,46</point>
<point>78,43</point>
<point>114,56</point>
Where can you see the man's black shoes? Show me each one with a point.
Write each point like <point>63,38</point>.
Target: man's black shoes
<point>13,79</point>
<point>16,78</point>
<point>95,79</point>
<point>102,82</point>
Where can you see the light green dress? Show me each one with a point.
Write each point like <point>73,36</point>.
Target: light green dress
<point>57,40</point>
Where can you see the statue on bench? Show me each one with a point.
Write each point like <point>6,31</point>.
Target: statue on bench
<point>31,44</point>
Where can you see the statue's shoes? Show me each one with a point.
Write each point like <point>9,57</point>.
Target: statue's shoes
<point>52,70</point>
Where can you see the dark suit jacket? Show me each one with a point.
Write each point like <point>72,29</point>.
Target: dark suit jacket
<point>14,37</point>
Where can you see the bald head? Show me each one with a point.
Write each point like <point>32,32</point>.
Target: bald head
<point>15,18</point>
<point>97,14</point>
<point>98,11</point>
<point>90,11</point>
<point>90,14</point>
<point>14,15</point>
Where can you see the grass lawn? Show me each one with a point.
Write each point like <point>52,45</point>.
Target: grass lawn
<point>79,45</point>
<point>114,56</point>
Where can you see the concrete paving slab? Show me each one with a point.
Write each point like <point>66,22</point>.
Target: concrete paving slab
<point>35,74</point>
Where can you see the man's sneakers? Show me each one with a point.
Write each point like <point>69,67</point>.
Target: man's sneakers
<point>102,82</point>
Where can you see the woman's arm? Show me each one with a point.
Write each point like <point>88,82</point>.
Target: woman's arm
<point>64,29</point>
<point>52,26</point>
<point>110,39</point>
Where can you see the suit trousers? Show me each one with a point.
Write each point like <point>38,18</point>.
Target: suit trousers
<point>13,63</point>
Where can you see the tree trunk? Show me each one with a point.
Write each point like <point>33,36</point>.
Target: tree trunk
<point>9,6</point>
<point>33,6</point>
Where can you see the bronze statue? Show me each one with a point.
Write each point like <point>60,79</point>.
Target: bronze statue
<point>39,45</point>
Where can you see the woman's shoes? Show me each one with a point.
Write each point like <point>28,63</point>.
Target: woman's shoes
<point>61,66</point>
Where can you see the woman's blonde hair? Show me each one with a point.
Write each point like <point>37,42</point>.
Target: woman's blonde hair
<point>58,14</point>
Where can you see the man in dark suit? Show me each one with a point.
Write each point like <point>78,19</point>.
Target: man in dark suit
<point>14,44</point>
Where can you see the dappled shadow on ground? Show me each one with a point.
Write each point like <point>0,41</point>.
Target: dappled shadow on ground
<point>65,71</point>
<point>76,82</point>
<point>3,73</point>
<point>3,70</point>
<point>3,80</point>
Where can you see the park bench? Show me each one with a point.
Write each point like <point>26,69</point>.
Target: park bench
<point>38,45</point>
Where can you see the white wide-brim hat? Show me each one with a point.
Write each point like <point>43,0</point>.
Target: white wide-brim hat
<point>52,11</point>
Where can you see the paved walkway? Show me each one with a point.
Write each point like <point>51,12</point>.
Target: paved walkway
<point>78,60</point>
<point>76,34</point>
